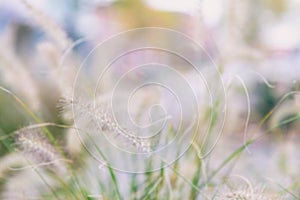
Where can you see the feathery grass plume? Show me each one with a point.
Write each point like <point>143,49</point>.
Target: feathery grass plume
<point>73,142</point>
<point>61,66</point>
<point>100,118</point>
<point>8,161</point>
<point>58,35</point>
<point>35,146</point>
<point>245,193</point>
<point>105,121</point>
<point>50,53</point>
<point>64,106</point>
<point>26,185</point>
<point>16,75</point>
<point>68,105</point>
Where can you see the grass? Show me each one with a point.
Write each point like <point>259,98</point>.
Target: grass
<point>155,184</point>
<point>92,177</point>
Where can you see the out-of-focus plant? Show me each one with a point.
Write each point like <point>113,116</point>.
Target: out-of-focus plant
<point>48,160</point>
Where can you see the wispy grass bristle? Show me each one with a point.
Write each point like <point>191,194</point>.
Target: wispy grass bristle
<point>101,119</point>
<point>38,150</point>
<point>56,33</point>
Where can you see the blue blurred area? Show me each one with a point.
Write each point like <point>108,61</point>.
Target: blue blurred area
<point>27,34</point>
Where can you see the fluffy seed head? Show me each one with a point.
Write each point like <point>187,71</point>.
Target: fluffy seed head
<point>37,149</point>
<point>100,118</point>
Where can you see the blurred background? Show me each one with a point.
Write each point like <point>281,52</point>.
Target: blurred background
<point>257,40</point>
<point>256,44</point>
